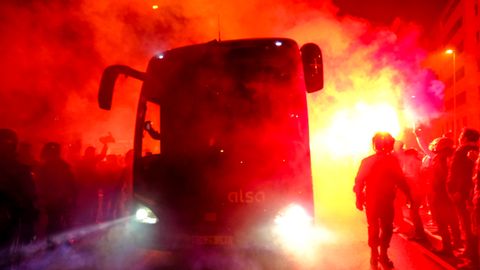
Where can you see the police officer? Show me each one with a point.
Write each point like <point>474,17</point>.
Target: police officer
<point>376,182</point>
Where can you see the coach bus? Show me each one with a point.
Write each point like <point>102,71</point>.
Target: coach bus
<point>221,144</point>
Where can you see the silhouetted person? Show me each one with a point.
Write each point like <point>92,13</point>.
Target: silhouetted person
<point>427,174</point>
<point>440,203</point>
<point>88,182</point>
<point>376,183</point>
<point>26,156</point>
<point>460,183</point>
<point>476,211</point>
<point>73,152</point>
<point>56,185</point>
<point>411,168</point>
<point>399,224</point>
<point>111,186</point>
<point>18,212</point>
<point>126,179</point>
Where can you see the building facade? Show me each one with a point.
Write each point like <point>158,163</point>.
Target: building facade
<point>459,31</point>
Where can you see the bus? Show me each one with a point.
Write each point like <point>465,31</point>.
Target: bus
<point>221,143</point>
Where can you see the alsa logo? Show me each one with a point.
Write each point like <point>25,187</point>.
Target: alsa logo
<point>246,196</point>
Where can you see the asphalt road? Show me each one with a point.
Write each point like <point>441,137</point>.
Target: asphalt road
<point>107,246</point>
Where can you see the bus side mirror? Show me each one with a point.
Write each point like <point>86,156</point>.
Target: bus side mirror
<point>312,67</point>
<point>107,83</point>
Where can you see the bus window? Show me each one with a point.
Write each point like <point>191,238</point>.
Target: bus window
<point>151,135</point>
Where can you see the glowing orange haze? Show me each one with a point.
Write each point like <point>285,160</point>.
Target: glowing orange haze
<point>374,78</point>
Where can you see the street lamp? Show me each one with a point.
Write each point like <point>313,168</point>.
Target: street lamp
<point>452,52</point>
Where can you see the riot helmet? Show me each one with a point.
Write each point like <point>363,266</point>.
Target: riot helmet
<point>442,144</point>
<point>383,142</point>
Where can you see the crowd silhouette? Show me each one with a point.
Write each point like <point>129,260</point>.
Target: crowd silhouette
<point>45,197</point>
<point>443,182</point>
<point>58,192</point>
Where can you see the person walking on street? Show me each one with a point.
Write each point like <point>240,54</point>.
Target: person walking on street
<point>376,183</point>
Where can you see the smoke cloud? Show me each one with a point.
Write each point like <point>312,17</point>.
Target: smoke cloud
<point>54,51</point>
<point>53,54</point>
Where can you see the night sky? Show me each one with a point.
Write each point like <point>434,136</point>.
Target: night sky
<point>384,12</point>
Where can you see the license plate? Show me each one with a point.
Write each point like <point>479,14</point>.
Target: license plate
<point>214,240</point>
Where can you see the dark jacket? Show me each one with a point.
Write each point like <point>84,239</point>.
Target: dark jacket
<point>461,172</point>
<point>378,178</point>
<point>56,184</point>
<point>17,201</point>
<point>438,179</point>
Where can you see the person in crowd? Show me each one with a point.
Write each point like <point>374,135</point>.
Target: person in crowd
<point>426,173</point>
<point>110,185</point>
<point>88,184</point>
<point>412,169</point>
<point>73,151</point>
<point>376,182</point>
<point>476,213</point>
<point>440,202</point>
<point>57,191</point>
<point>18,210</point>
<point>460,183</point>
<point>126,180</point>
<point>26,156</point>
<point>399,224</point>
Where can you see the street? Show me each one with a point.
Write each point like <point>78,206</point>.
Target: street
<point>107,246</point>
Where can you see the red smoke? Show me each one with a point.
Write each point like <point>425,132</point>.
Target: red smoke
<point>53,53</point>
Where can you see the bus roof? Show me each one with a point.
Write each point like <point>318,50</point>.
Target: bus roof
<point>238,43</point>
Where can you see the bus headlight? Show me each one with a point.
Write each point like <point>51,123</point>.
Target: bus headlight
<point>293,228</point>
<point>145,215</point>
